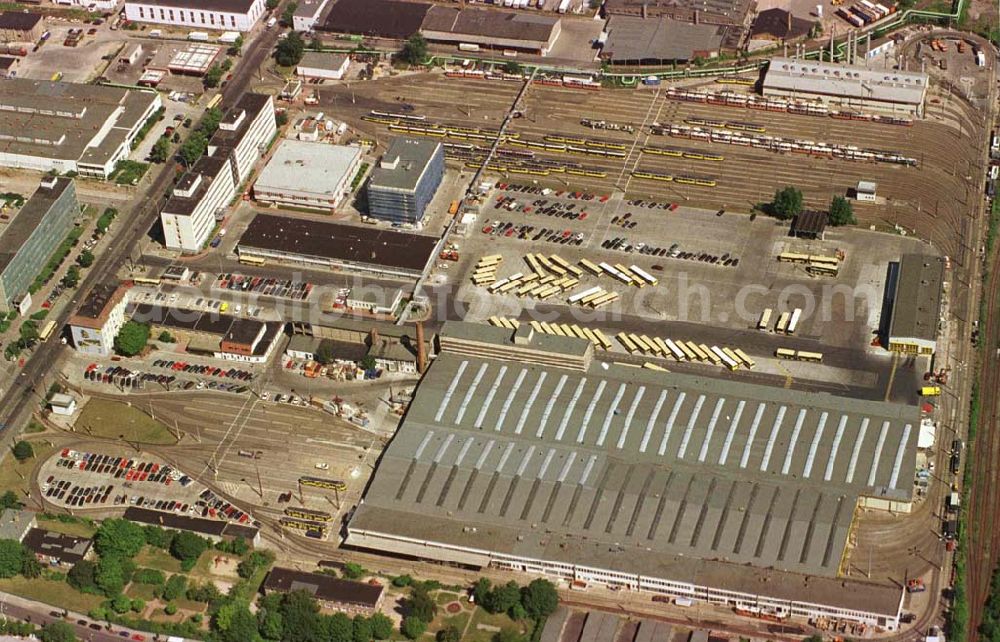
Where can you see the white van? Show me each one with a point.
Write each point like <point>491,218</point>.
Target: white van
<point>271,22</point>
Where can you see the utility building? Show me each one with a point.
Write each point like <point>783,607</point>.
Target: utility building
<point>224,15</point>
<point>406,179</point>
<point>914,287</point>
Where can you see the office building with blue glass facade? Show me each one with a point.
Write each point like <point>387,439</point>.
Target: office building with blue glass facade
<point>406,180</point>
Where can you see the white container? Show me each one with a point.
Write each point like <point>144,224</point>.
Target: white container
<point>198,36</point>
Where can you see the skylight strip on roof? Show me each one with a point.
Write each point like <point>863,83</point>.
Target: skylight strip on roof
<point>531,401</point>
<point>612,410</point>
<point>900,451</point>
<point>745,459</point>
<point>590,411</point>
<point>629,416</point>
<point>444,447</point>
<point>464,451</point>
<point>570,408</point>
<point>489,397</point>
<point>423,444</point>
<point>566,466</point>
<point>451,390</point>
<point>878,452</point>
<point>786,466</point>
<point>670,423</point>
<point>724,455</point>
<point>807,471</point>
<point>505,456</point>
<point>857,450</point>
<point>486,453</point>
<point>548,406</point>
<point>772,438</point>
<point>510,398</point>
<point>545,463</point>
<point>524,460</point>
<point>471,391</point>
<point>711,429</point>
<point>586,471</point>
<point>652,421</point>
<point>690,427</point>
<point>835,448</point>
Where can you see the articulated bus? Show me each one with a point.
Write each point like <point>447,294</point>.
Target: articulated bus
<point>693,347</point>
<point>140,280</point>
<point>716,361</point>
<point>745,358</point>
<point>765,319</point>
<point>641,343</point>
<point>689,354</point>
<point>566,265</point>
<point>822,269</point>
<point>815,357</point>
<point>304,525</point>
<point>590,299</point>
<point>484,280</point>
<point>610,271</point>
<point>251,260</point>
<point>533,263</point>
<point>675,351</point>
<point>590,267</point>
<point>792,257</point>
<point>782,325</point>
<point>603,300</point>
<point>319,482</point>
<point>664,348</point>
<point>785,353</point>
<point>651,342</point>
<point>726,359</point>
<point>729,352</point>
<point>489,261</point>
<point>627,343</point>
<point>605,341</point>
<point>580,297</point>
<point>308,514</point>
<point>644,275</point>
<point>47,331</point>
<point>633,279</point>
<point>819,259</point>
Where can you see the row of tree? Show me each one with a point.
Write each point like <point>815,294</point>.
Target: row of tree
<point>788,204</point>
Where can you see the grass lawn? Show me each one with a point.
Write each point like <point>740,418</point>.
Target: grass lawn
<point>74,529</point>
<point>190,605</point>
<point>159,559</point>
<point>444,597</point>
<point>106,418</point>
<point>14,474</point>
<point>58,594</point>
<point>128,172</point>
<point>141,591</point>
<point>479,616</point>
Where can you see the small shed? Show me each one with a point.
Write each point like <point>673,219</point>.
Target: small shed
<point>809,224</point>
<point>62,404</point>
<point>131,54</point>
<point>866,191</point>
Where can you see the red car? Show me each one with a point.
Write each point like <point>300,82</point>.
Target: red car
<point>138,637</point>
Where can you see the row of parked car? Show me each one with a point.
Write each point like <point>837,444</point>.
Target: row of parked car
<point>213,506</point>
<point>285,288</point>
<point>194,368</point>
<point>623,244</point>
<point>534,189</point>
<point>136,380</point>
<point>74,495</point>
<point>122,467</point>
<point>524,232</point>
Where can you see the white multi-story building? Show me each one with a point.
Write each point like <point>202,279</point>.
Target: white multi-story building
<point>305,174</point>
<point>99,319</point>
<point>224,15</point>
<point>307,14</point>
<point>93,5</point>
<point>244,132</point>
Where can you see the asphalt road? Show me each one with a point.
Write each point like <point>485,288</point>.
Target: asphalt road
<point>17,400</point>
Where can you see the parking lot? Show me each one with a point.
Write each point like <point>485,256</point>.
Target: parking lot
<point>168,375</point>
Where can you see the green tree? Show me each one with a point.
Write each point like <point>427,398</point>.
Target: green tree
<point>412,627</point>
<point>354,571</point>
<point>10,500</point>
<point>11,557</point>
<point>85,259</point>
<point>161,150</point>
<point>158,537</point>
<point>502,598</point>
<point>72,277</point>
<point>414,50</point>
<point>236,48</point>
<point>29,331</point>
<point>335,628</point>
<point>289,13</point>
<point>138,605</point>
<point>235,623</point>
<point>58,631</point>
<point>110,574</point>
<point>367,362</point>
<point>206,592</point>
<point>841,212</point>
<point>213,76</point>
<point>270,624</point>
<point>281,119</point>
<point>508,634</point>
<point>787,203</point>
<point>481,590</point>
<point>210,121</point>
<point>165,337</point>
<point>121,604</point>
<point>316,43</point>
<point>381,626</point>
<point>81,576</point>
<point>175,587</point>
<point>362,629</point>
<point>170,608</point>
<point>119,536</point>
<point>272,4</point>
<point>31,568</point>
<point>290,50</point>
<point>192,149</point>
<point>512,67</point>
<point>517,612</point>
<point>299,616</point>
<point>131,340</point>
<point>23,451</point>
<point>540,598</point>
<point>188,546</point>
<point>449,633</point>
<point>420,604</point>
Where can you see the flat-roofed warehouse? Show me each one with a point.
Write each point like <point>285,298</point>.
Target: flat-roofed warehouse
<point>847,85</point>
<point>338,246</point>
<point>70,126</point>
<point>493,29</point>
<point>640,479</point>
<point>636,41</point>
<point>916,288</point>
<point>305,174</point>
<point>376,18</point>
<point>20,26</point>
<point>718,12</point>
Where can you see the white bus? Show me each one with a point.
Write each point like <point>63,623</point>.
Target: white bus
<point>793,323</point>
<point>632,278</point>
<point>644,275</point>
<point>580,296</point>
<point>616,274</point>
<point>726,359</point>
<point>674,350</point>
